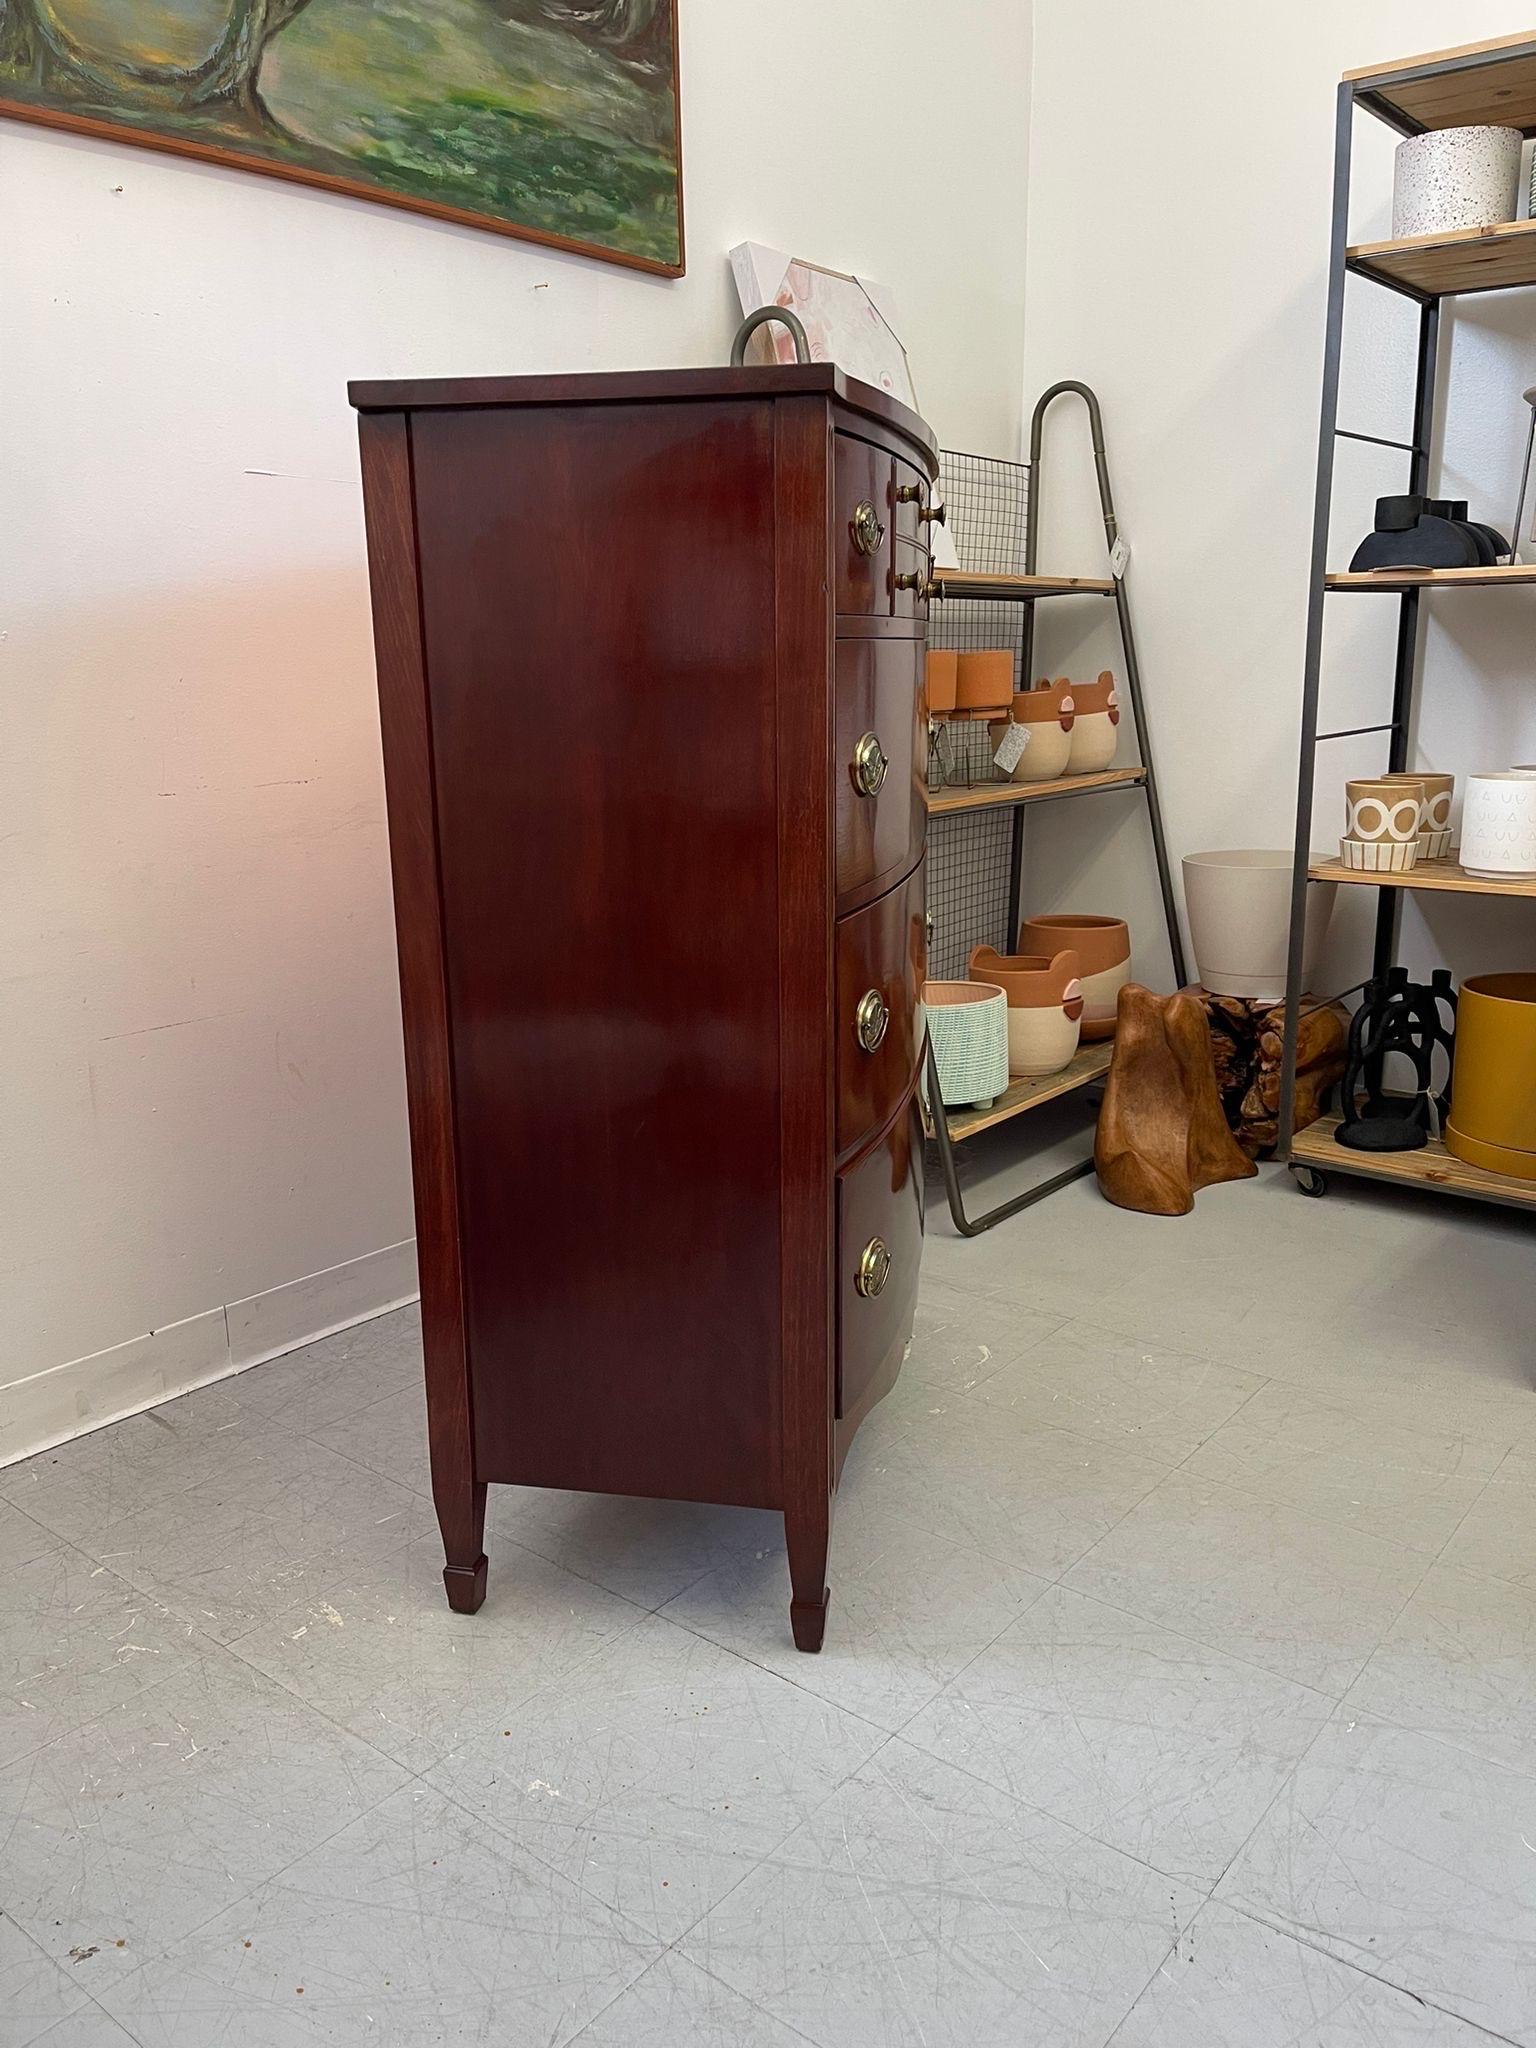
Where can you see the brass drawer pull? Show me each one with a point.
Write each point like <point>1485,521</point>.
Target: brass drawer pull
<point>874,1269</point>
<point>915,580</point>
<point>869,766</point>
<point>912,494</point>
<point>871,1020</point>
<point>867,530</point>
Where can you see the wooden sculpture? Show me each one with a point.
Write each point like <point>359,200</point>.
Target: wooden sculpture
<point>1162,1136</point>
<point>1247,1039</point>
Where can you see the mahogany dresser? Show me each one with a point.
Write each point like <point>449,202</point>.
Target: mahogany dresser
<point>650,656</point>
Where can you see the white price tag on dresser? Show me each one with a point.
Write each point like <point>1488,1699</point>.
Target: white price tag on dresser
<point>1011,747</point>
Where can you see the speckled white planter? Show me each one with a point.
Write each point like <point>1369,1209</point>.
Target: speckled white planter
<point>1455,178</point>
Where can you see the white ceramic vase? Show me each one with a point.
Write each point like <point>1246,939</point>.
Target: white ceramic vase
<point>1498,825</point>
<point>1454,178</point>
<point>1239,906</point>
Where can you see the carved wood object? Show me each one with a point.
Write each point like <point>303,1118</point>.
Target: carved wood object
<point>1162,1135</point>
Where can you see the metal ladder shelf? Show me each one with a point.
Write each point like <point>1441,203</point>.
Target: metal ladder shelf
<point>1090,1064</point>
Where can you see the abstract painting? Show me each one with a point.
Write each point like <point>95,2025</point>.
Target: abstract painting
<point>554,120</point>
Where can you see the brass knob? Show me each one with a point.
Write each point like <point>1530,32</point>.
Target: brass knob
<point>874,1269</point>
<point>871,1019</point>
<point>937,515</point>
<point>869,766</point>
<point>867,530</point>
<point>915,580</point>
<point>908,494</point>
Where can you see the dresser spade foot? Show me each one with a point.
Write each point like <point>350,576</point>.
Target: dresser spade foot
<point>808,1619</point>
<point>466,1585</point>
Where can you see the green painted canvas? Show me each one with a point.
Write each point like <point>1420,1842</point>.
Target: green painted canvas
<point>552,119</point>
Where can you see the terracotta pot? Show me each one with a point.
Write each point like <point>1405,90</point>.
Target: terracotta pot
<point>1240,919</point>
<point>1046,714</point>
<point>943,664</point>
<point>1096,708</point>
<point>1045,1005</point>
<point>1493,1084</point>
<point>968,1026</point>
<point>1103,947</point>
<point>984,682</point>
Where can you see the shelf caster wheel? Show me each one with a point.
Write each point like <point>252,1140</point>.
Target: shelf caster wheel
<point>1311,1181</point>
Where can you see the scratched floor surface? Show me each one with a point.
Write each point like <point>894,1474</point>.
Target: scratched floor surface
<point>1179,1689</point>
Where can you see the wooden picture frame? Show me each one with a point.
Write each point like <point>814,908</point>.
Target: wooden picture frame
<point>185,104</point>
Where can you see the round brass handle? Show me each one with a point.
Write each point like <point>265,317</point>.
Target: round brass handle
<point>909,494</point>
<point>915,580</point>
<point>871,1020</point>
<point>869,766</point>
<point>874,1269</point>
<point>936,515</point>
<point>867,530</point>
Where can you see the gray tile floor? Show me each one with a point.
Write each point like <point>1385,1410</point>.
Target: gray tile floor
<point>1179,1690</point>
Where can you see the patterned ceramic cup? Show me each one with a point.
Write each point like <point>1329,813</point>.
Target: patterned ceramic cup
<point>1381,824</point>
<point>1434,810</point>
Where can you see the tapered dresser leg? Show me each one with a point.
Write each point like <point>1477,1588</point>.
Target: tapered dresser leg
<point>461,1517</point>
<point>807,1533</point>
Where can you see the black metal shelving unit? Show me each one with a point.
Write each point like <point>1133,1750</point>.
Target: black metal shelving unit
<point>1492,82</point>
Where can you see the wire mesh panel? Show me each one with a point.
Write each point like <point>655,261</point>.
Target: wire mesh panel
<point>988,507</point>
<point>967,888</point>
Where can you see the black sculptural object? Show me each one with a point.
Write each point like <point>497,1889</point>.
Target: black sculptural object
<point>1396,1015</point>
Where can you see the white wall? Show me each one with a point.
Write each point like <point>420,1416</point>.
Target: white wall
<point>1179,196</point>
<point>199,1045</point>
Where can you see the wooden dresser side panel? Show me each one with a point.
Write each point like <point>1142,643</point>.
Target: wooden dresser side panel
<point>599,597</point>
<point>407,742</point>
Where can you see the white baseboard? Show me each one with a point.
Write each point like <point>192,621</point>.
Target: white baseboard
<point>87,1393</point>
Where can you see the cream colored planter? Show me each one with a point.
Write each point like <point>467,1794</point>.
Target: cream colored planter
<point>1239,906</point>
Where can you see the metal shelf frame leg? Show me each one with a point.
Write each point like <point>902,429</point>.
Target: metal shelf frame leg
<point>973,1226</point>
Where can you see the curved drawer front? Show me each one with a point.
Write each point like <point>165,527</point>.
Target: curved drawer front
<point>881,962</point>
<point>862,540</point>
<point>879,1247</point>
<point>878,740</point>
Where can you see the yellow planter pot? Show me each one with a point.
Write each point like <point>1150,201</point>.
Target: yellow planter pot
<point>1493,1085</point>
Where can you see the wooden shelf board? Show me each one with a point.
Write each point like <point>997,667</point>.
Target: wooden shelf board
<point>1432,1167</point>
<point>989,796</point>
<point>1088,1063</point>
<point>1498,91</point>
<point>1470,260</point>
<point>975,583</point>
<point>1448,875</point>
<point>1510,573</point>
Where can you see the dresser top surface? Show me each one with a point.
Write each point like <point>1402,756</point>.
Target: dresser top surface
<point>637,387</point>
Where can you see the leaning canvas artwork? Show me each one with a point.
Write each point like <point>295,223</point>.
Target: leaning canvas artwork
<point>554,120</point>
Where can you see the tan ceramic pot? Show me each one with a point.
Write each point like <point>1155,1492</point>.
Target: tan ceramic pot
<point>1096,709</point>
<point>943,666</point>
<point>1046,714</point>
<point>1434,840</point>
<point>1045,1006</point>
<point>1381,823</point>
<point>1103,948</point>
<point>984,682</point>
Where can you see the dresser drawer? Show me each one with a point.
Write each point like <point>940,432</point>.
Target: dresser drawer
<point>911,575</point>
<point>881,961</point>
<point>878,765</point>
<point>861,528</point>
<point>879,1244</point>
<point>912,495</point>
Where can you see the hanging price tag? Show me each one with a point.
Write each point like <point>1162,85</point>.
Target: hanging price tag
<point>1119,558</point>
<point>1011,747</point>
